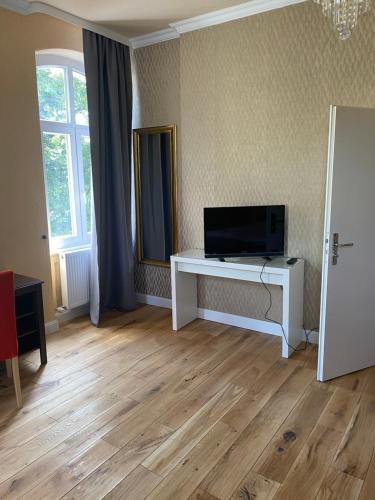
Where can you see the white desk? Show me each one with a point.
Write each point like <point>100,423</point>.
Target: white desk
<point>185,266</point>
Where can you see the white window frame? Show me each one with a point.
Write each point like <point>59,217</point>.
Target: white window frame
<point>81,236</point>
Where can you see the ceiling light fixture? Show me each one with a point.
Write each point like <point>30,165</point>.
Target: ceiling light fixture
<point>344,14</point>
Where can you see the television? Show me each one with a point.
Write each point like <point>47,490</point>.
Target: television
<point>244,231</point>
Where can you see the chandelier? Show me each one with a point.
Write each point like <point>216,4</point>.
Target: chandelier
<point>344,14</point>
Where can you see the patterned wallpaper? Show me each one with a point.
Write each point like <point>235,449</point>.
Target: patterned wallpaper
<point>156,77</point>
<point>251,101</point>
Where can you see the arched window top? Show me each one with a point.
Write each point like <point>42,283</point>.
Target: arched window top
<point>62,87</point>
<point>65,56</point>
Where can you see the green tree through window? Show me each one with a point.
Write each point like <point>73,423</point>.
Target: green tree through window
<point>66,150</point>
<point>51,94</point>
<point>55,150</point>
<point>80,99</point>
<point>86,158</point>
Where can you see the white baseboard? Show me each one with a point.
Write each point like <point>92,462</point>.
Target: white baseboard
<point>153,300</point>
<point>313,337</point>
<point>73,313</point>
<point>240,321</point>
<point>257,325</point>
<point>52,326</point>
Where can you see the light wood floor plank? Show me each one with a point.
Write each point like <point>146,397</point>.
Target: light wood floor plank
<point>307,474</point>
<point>137,485</point>
<point>41,444</point>
<point>68,475</point>
<point>32,409</point>
<point>190,471</point>
<point>243,453</point>
<point>188,435</point>
<point>38,471</point>
<point>211,382</point>
<point>338,486</point>
<point>133,410</point>
<point>122,386</point>
<point>258,396</point>
<point>356,382</point>
<point>357,447</point>
<point>256,486</point>
<point>21,435</point>
<point>200,494</point>
<point>277,459</point>
<point>339,411</point>
<point>108,476</point>
<point>368,488</point>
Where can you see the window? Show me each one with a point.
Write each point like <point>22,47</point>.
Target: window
<point>66,149</point>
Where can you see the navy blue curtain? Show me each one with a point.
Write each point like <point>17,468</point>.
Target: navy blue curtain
<point>109,94</point>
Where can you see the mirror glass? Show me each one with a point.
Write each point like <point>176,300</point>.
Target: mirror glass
<point>155,163</point>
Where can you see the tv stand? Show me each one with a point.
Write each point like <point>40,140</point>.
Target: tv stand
<point>185,266</point>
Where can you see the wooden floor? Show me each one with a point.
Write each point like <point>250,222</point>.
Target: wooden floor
<point>133,411</point>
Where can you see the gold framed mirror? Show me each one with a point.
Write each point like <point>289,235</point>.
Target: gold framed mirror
<point>156,194</point>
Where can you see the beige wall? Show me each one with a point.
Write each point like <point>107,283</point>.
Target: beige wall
<point>251,100</point>
<point>23,218</point>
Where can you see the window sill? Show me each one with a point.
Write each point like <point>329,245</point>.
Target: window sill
<point>57,251</point>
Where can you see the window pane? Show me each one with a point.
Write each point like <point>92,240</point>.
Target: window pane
<point>56,162</point>
<point>80,99</point>
<point>86,160</point>
<point>52,94</point>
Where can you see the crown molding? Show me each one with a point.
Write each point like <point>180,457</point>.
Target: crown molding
<point>221,16</point>
<point>19,6</point>
<point>231,14</point>
<point>25,8</point>
<point>152,38</point>
<point>175,29</point>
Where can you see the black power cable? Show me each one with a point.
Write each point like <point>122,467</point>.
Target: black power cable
<point>266,317</point>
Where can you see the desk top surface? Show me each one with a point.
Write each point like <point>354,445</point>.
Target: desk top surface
<point>198,254</point>
<point>21,281</point>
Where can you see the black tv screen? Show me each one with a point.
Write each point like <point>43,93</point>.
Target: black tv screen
<point>244,231</point>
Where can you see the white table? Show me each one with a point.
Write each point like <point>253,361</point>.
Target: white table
<point>185,266</point>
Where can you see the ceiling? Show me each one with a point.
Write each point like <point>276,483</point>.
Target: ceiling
<point>137,17</point>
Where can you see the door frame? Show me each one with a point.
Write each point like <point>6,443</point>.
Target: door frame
<point>326,238</point>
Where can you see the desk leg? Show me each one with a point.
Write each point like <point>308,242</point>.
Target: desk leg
<point>293,311</point>
<point>41,327</point>
<point>184,297</point>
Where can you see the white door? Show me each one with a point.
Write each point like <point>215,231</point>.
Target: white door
<point>347,323</point>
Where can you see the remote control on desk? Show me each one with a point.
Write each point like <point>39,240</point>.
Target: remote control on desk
<point>291,261</point>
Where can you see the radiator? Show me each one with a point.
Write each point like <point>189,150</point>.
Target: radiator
<point>75,277</point>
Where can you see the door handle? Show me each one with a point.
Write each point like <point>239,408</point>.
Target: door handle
<point>342,245</point>
<point>335,247</point>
